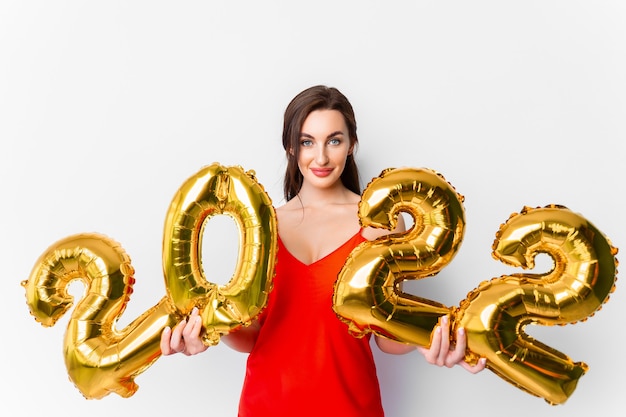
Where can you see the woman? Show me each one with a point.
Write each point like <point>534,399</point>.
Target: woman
<point>303,361</point>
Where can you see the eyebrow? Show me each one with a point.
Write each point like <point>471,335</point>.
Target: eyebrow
<point>336,133</point>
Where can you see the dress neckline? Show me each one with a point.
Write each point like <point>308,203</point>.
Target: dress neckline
<point>331,253</point>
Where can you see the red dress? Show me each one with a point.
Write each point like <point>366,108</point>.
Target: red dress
<point>304,362</point>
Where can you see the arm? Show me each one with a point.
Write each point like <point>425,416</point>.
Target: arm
<point>392,347</point>
<point>440,352</point>
<point>244,338</point>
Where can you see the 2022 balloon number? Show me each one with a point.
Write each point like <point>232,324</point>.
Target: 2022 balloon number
<point>101,359</point>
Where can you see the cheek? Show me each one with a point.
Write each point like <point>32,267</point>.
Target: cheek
<point>340,156</point>
<point>305,156</point>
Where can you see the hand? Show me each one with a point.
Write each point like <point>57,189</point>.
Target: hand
<point>185,338</point>
<point>441,354</point>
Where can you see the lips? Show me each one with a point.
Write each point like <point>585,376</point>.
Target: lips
<point>321,172</point>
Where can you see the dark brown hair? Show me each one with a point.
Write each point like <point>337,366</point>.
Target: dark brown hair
<point>314,98</point>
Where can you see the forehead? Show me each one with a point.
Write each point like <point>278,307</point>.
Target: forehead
<point>324,122</point>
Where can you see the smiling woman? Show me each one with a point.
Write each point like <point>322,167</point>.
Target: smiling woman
<point>107,106</point>
<point>298,346</point>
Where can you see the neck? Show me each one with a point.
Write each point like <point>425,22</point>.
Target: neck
<point>314,196</point>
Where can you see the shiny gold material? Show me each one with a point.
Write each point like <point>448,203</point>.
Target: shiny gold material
<point>367,295</point>
<point>496,312</point>
<point>99,358</point>
<point>220,190</point>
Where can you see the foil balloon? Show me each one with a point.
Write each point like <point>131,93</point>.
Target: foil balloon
<point>367,294</point>
<point>496,313</point>
<point>100,359</point>
<point>219,190</point>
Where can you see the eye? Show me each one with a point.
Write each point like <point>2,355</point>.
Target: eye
<point>334,141</point>
<point>306,142</point>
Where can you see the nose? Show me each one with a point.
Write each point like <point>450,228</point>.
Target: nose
<point>321,158</point>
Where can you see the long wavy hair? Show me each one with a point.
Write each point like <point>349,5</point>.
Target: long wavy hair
<point>319,97</point>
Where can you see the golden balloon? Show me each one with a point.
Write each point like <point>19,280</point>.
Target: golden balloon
<point>219,190</point>
<point>100,359</point>
<point>495,314</point>
<point>367,293</point>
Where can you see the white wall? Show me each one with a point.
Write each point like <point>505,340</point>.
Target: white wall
<point>107,107</point>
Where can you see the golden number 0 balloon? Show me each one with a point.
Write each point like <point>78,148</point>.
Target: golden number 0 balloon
<point>101,359</point>
<point>367,295</point>
<point>219,190</point>
<point>496,313</point>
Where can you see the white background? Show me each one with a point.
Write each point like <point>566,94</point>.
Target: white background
<point>107,107</point>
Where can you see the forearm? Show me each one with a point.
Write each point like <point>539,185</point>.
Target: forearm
<point>242,339</point>
<point>392,347</point>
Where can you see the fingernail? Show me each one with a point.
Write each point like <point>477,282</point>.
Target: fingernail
<point>195,310</point>
<point>461,331</point>
<point>167,329</point>
<point>444,319</point>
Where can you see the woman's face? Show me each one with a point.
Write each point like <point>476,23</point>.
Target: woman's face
<point>324,147</point>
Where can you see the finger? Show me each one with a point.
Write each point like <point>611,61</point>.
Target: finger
<point>165,341</point>
<point>177,343</point>
<point>444,348</point>
<point>458,354</point>
<point>193,341</point>
<point>474,369</point>
<point>194,325</point>
<point>461,339</point>
<point>432,354</point>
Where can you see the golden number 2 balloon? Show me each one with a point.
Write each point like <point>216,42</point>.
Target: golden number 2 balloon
<point>496,313</point>
<point>367,292</point>
<point>101,359</point>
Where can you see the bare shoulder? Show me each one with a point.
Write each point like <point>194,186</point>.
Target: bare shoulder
<point>289,213</point>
